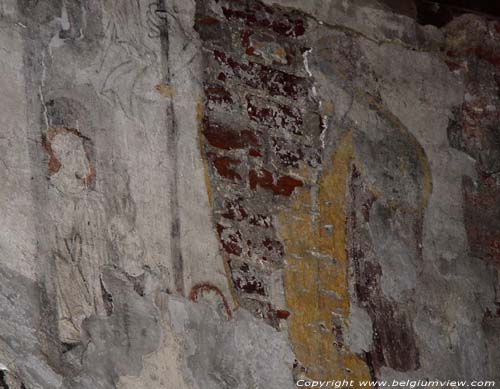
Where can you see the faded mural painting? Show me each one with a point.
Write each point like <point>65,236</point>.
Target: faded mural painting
<point>243,194</point>
<point>319,189</point>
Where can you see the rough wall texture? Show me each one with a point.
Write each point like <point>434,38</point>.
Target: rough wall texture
<point>239,194</point>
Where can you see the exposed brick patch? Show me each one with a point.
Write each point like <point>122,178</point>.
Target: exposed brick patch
<point>255,142</point>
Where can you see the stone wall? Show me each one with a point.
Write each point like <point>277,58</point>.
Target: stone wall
<point>241,194</point>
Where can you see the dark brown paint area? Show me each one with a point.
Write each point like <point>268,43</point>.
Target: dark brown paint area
<point>394,340</point>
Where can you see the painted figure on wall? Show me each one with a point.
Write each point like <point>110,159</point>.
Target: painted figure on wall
<point>77,231</point>
<point>127,245</point>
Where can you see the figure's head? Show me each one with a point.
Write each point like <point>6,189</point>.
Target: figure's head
<point>69,151</point>
<point>68,158</point>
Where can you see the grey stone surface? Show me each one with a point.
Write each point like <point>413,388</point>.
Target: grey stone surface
<point>141,248</point>
<point>241,353</point>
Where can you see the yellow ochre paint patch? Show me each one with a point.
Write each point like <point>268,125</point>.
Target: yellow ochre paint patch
<point>165,90</point>
<point>316,273</point>
<point>280,52</point>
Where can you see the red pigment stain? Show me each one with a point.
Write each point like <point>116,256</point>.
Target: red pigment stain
<point>198,289</point>
<point>284,186</point>
<point>282,314</point>
<point>226,138</point>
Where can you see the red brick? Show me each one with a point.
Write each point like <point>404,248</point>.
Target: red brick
<point>227,139</point>
<point>223,167</point>
<point>284,186</point>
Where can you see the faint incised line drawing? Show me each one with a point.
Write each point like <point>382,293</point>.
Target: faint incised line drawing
<point>78,223</point>
<point>127,245</point>
<point>129,58</point>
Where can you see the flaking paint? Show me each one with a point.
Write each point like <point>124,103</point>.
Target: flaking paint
<point>316,274</point>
